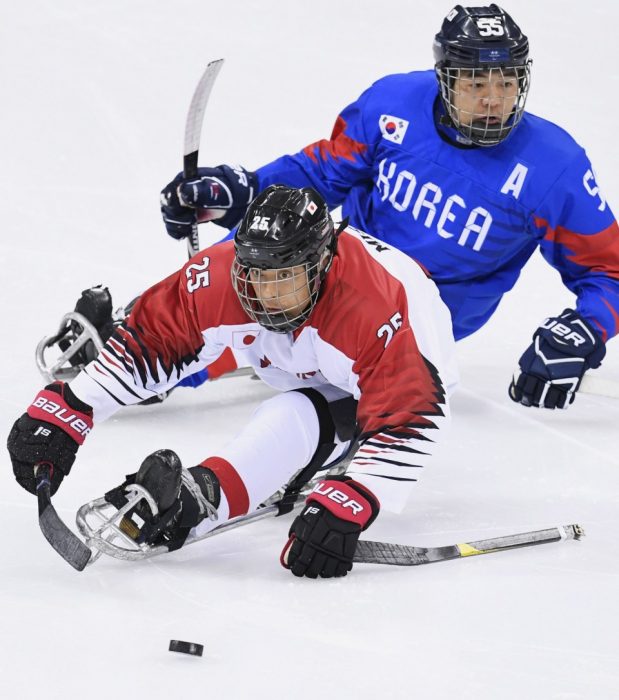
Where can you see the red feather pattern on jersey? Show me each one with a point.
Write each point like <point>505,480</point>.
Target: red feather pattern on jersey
<point>110,359</point>
<point>120,352</point>
<point>339,147</point>
<point>160,333</point>
<point>400,390</point>
<point>585,249</point>
<point>404,391</point>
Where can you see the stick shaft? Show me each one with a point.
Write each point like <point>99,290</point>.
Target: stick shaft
<point>193,130</point>
<point>403,555</point>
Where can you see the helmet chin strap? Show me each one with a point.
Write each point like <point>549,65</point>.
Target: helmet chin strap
<point>342,226</point>
<point>447,130</point>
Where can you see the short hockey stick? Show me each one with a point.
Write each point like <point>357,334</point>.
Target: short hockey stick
<point>193,129</point>
<point>403,555</point>
<point>68,545</point>
<point>93,523</point>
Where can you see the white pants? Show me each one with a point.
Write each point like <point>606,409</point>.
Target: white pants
<point>280,439</point>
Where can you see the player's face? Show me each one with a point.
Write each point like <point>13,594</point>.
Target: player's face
<point>281,291</point>
<point>485,98</point>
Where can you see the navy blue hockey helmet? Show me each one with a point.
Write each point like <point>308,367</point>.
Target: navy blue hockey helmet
<point>484,47</point>
<point>290,231</point>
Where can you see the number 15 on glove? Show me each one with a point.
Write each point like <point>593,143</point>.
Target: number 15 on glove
<point>323,538</point>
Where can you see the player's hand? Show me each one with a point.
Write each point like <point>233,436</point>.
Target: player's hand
<point>54,426</point>
<point>323,539</point>
<point>220,194</point>
<point>551,369</point>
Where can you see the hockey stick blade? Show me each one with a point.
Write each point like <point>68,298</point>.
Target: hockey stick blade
<point>193,130</point>
<point>369,552</point>
<point>68,545</point>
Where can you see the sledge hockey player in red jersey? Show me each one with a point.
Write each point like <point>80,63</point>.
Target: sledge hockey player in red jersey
<point>350,330</point>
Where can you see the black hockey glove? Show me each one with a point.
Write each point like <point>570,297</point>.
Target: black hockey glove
<point>323,539</point>
<point>553,366</point>
<point>52,429</point>
<point>184,497</point>
<point>220,194</point>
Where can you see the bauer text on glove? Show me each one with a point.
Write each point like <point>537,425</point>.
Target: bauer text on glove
<point>54,426</point>
<point>323,538</point>
<point>551,369</point>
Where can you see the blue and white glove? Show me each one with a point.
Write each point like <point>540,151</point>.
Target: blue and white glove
<point>564,347</point>
<point>220,194</point>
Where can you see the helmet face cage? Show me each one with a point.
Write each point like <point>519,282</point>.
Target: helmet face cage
<point>484,72</point>
<point>472,114</point>
<point>284,247</point>
<point>280,300</point>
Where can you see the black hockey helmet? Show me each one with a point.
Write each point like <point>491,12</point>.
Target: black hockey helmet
<point>283,228</point>
<point>475,40</point>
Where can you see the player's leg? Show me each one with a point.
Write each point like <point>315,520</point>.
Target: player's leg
<point>287,440</point>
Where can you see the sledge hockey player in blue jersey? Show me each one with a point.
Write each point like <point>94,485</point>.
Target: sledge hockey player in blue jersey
<point>447,166</point>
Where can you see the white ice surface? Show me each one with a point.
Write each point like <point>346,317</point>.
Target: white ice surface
<point>94,99</point>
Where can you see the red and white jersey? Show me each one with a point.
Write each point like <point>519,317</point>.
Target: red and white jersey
<point>379,331</point>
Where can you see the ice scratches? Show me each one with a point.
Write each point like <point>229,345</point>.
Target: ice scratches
<point>515,413</point>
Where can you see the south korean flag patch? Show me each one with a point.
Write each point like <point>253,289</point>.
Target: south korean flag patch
<point>392,128</point>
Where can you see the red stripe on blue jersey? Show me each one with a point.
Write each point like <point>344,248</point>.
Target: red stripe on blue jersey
<point>598,252</point>
<point>339,147</point>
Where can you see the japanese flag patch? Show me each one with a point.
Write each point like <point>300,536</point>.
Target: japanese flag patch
<point>241,340</point>
<point>392,128</point>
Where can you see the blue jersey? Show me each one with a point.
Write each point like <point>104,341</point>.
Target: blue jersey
<point>471,216</point>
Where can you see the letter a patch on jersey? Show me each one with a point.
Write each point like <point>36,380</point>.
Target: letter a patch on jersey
<point>392,128</point>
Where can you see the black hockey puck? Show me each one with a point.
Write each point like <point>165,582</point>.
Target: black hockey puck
<point>186,647</point>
